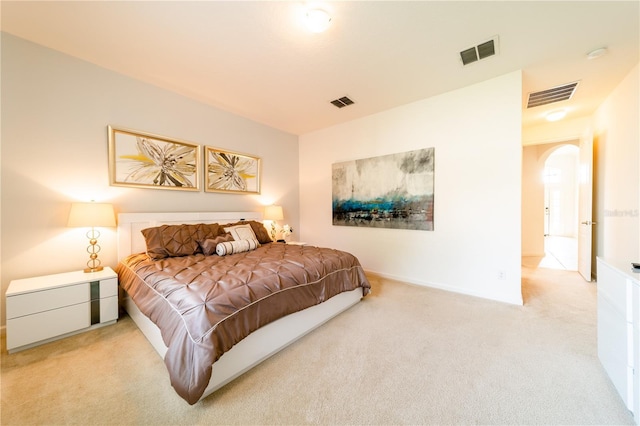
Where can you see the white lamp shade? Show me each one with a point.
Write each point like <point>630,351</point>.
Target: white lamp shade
<point>273,213</point>
<point>91,214</point>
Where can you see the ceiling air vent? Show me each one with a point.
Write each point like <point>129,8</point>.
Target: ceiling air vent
<point>481,51</point>
<point>549,96</point>
<point>342,102</point>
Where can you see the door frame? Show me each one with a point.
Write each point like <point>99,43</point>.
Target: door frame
<point>585,207</point>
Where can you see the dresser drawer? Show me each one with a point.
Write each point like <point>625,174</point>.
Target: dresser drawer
<point>613,346</point>
<point>45,325</point>
<point>612,286</point>
<point>45,300</point>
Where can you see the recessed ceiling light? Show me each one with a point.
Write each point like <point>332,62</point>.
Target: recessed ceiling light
<point>556,115</point>
<point>595,54</point>
<point>317,20</point>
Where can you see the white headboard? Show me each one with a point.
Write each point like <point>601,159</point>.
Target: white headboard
<point>131,240</point>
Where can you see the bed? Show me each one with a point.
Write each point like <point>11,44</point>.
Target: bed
<point>272,295</point>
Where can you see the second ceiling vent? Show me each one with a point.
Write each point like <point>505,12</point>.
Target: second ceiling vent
<point>555,94</point>
<point>481,51</point>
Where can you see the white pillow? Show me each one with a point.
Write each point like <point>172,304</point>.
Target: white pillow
<point>230,247</point>
<point>241,232</point>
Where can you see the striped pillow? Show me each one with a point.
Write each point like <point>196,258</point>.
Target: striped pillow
<point>230,247</point>
<point>209,245</point>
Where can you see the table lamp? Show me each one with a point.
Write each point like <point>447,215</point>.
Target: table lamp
<point>92,215</point>
<point>273,213</point>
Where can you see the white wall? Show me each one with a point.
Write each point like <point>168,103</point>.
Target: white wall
<point>476,133</point>
<point>617,195</point>
<point>552,132</point>
<point>54,152</point>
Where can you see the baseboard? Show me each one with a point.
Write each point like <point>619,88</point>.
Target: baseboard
<point>440,286</point>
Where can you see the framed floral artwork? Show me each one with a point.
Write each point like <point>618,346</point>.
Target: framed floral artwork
<point>228,171</point>
<point>144,160</point>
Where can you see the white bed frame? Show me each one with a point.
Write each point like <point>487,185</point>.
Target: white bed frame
<point>260,344</point>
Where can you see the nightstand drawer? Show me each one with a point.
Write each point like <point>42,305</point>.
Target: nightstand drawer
<point>108,288</point>
<point>44,325</point>
<point>27,304</point>
<point>109,309</point>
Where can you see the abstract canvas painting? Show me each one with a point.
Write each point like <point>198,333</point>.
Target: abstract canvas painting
<point>390,191</point>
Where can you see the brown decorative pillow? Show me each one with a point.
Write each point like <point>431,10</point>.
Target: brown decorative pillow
<point>209,245</point>
<point>176,240</point>
<point>207,230</point>
<point>258,228</point>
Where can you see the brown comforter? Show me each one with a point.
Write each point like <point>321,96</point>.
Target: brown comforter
<point>204,305</point>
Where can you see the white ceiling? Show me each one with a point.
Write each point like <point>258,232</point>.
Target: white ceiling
<point>257,60</point>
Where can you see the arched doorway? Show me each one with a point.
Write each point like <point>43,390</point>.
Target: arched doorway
<point>561,182</point>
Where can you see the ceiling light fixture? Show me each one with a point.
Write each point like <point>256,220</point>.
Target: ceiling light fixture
<point>595,54</point>
<point>317,20</point>
<point>556,115</point>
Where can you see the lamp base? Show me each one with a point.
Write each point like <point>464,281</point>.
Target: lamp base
<point>96,269</point>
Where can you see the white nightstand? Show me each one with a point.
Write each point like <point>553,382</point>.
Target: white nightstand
<point>46,308</point>
<point>297,243</point>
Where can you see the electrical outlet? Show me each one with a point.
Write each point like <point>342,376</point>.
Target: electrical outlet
<point>502,275</point>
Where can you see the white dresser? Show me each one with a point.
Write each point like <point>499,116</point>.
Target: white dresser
<point>619,328</point>
<point>46,308</point>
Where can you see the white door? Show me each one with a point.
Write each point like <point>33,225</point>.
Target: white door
<point>585,208</point>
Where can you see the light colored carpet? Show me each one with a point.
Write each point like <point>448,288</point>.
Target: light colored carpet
<point>405,355</point>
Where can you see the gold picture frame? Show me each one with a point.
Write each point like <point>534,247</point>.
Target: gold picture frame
<point>228,171</point>
<point>144,160</point>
